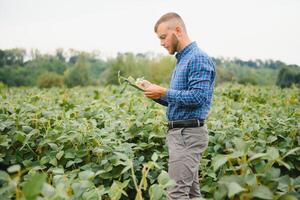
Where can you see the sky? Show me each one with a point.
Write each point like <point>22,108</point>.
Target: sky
<point>245,29</point>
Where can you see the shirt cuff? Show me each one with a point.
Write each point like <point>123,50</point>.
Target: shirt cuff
<point>164,98</point>
<point>170,95</point>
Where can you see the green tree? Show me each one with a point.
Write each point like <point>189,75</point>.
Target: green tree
<point>13,57</point>
<point>78,75</point>
<point>51,79</point>
<point>288,76</point>
<point>60,55</point>
<point>160,69</point>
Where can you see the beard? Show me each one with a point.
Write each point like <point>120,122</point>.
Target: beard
<point>174,45</point>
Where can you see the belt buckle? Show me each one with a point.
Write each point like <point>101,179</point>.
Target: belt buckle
<point>170,125</point>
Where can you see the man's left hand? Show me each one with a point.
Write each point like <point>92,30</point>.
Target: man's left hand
<point>155,91</point>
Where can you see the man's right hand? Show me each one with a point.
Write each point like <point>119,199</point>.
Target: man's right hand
<point>143,84</point>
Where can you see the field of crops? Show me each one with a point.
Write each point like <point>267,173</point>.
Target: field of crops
<point>99,143</point>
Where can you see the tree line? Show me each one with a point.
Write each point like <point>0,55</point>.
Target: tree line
<point>77,68</point>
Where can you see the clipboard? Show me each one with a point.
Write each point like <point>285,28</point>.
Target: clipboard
<point>133,85</point>
<point>128,81</point>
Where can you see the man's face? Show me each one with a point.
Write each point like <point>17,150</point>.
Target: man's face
<point>167,37</point>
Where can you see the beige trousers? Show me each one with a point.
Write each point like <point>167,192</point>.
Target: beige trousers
<point>185,146</point>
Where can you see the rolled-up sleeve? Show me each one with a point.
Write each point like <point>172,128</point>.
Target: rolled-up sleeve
<point>161,101</point>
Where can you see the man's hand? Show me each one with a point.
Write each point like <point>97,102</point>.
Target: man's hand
<point>143,84</point>
<point>154,91</point>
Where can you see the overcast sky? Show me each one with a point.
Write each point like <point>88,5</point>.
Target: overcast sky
<point>247,29</point>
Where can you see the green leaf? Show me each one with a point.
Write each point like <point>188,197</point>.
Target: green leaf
<point>218,161</point>
<point>91,194</point>
<point>154,157</point>
<point>262,192</point>
<point>292,151</point>
<point>86,175</point>
<point>258,155</point>
<point>163,177</point>
<point>58,171</point>
<point>80,187</point>
<point>290,196</point>
<point>233,189</point>
<point>284,183</point>
<point>156,192</point>
<point>164,180</point>
<point>27,163</point>
<point>126,169</point>
<point>273,173</point>
<point>69,154</point>
<point>250,179</point>
<point>27,129</point>
<point>232,178</point>
<point>235,154</point>
<point>14,168</point>
<point>116,190</point>
<point>70,163</point>
<point>4,176</point>
<point>33,186</point>
<point>122,156</point>
<point>273,153</point>
<point>20,136</point>
<point>53,146</point>
<point>53,161</point>
<point>4,140</point>
<point>284,164</point>
<point>221,192</point>
<point>241,145</point>
<point>59,155</point>
<point>297,181</point>
<point>271,138</point>
<point>47,190</point>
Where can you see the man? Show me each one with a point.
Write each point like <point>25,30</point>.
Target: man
<point>188,102</point>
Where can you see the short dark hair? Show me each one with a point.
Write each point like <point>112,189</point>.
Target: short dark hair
<point>167,17</point>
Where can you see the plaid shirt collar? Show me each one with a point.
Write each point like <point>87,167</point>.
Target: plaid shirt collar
<point>185,51</point>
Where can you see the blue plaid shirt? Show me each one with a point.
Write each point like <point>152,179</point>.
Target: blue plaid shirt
<point>192,84</point>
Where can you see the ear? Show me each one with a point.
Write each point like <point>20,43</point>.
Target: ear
<point>178,30</point>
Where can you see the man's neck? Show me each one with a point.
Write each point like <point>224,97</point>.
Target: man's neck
<point>185,42</point>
